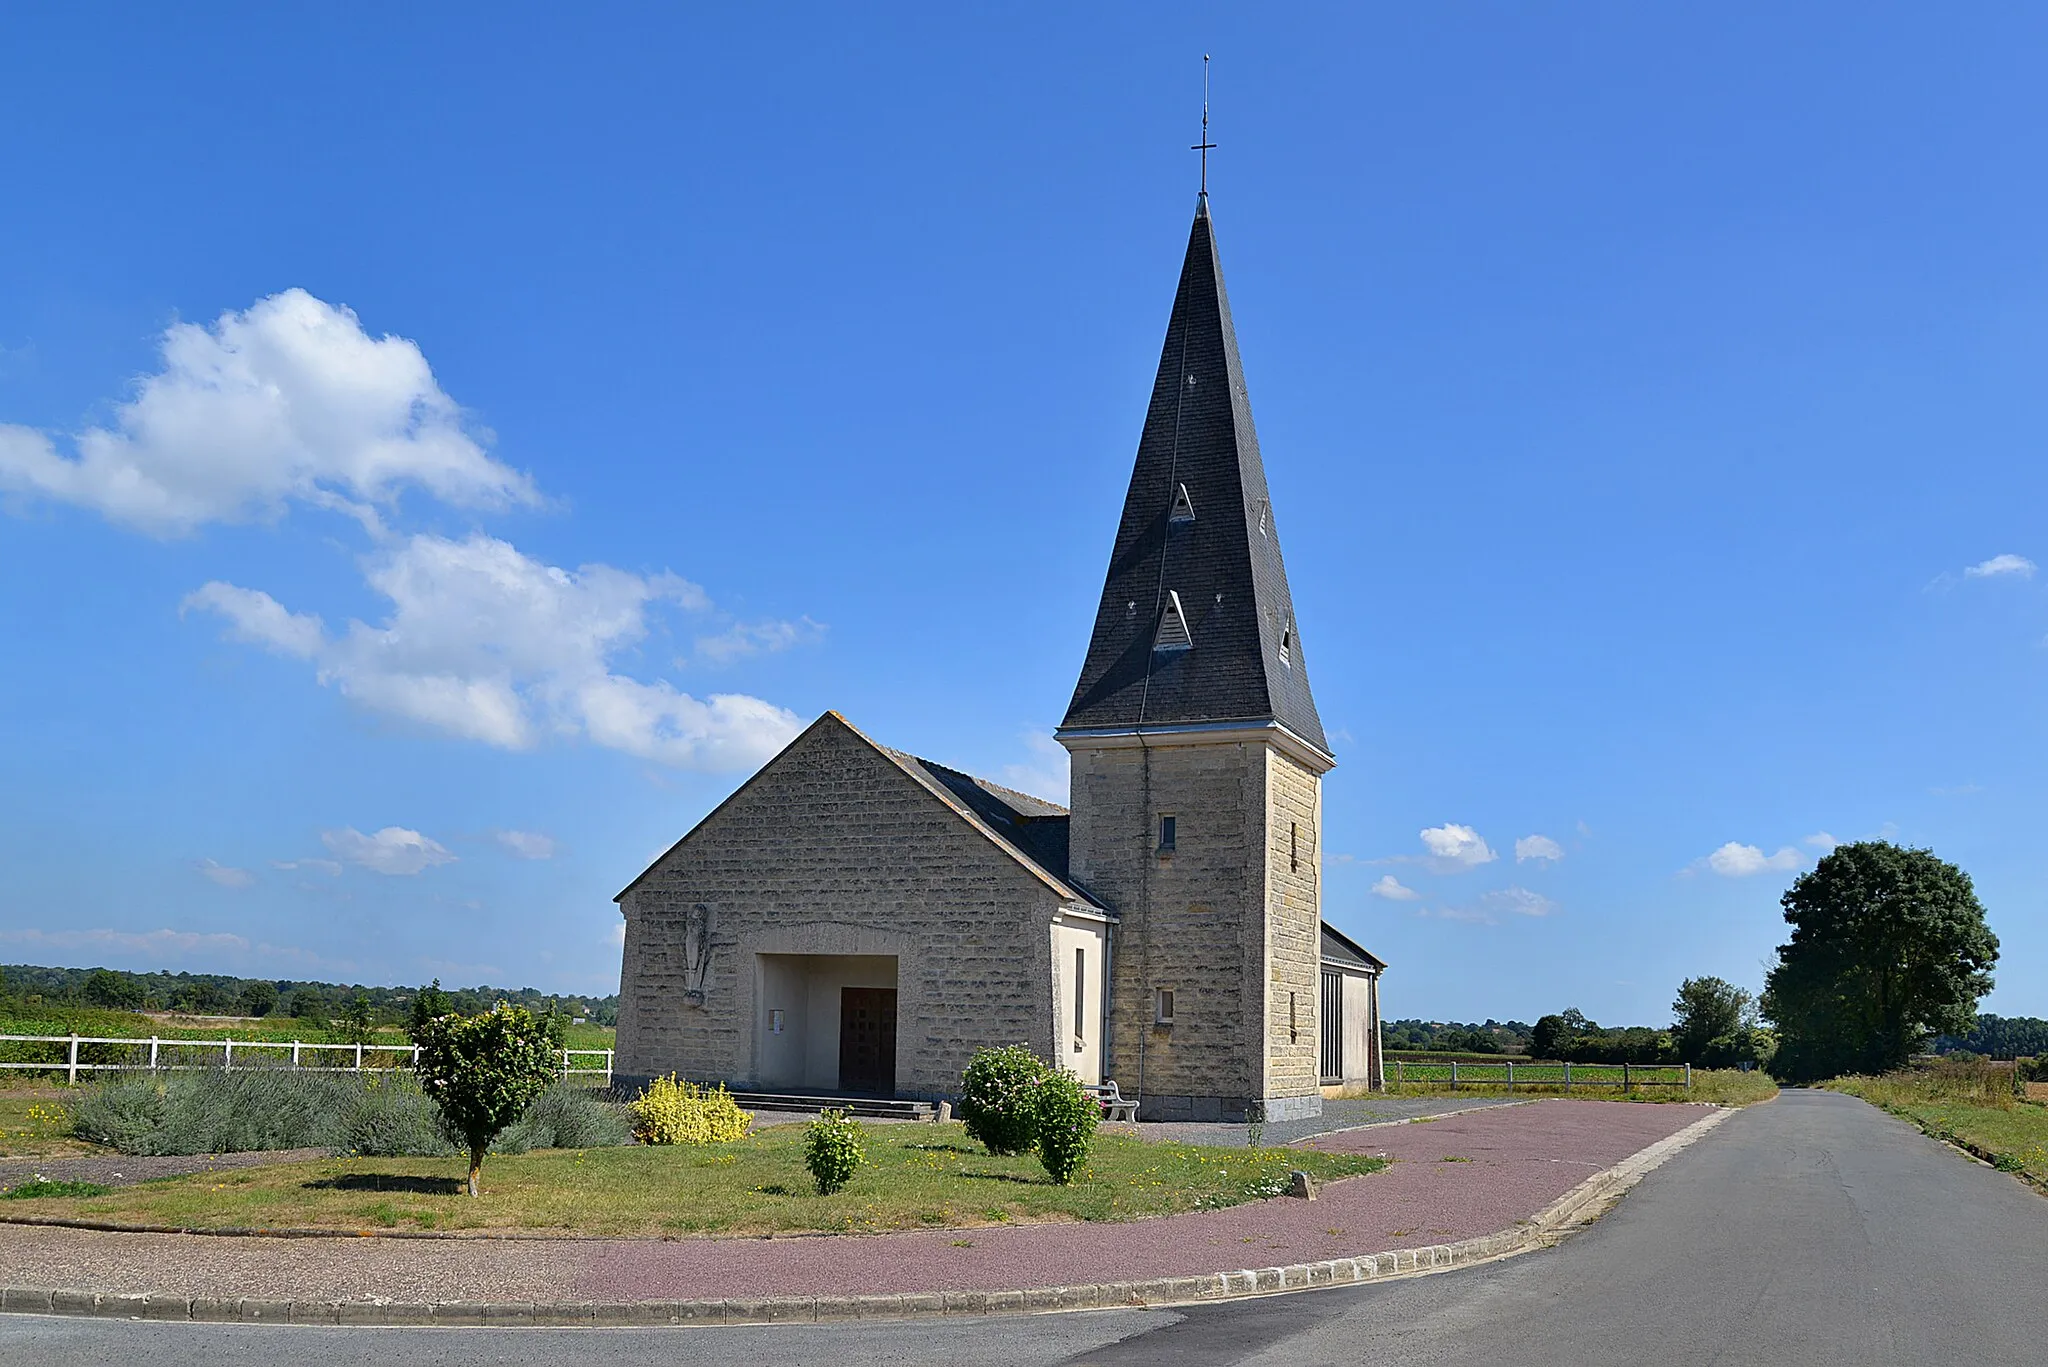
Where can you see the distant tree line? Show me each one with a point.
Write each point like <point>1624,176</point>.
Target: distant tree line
<point>1454,1037</point>
<point>1999,1037</point>
<point>26,987</point>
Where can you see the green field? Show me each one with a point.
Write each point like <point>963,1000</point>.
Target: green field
<point>281,1030</point>
<point>1602,1082</point>
<point>920,1176</point>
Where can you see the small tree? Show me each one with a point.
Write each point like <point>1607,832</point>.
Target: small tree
<point>259,998</point>
<point>357,1021</point>
<point>430,1003</point>
<point>483,1072</point>
<point>1705,1010</point>
<point>1888,948</point>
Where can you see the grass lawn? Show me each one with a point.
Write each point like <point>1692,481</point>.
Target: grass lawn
<point>918,1176</point>
<point>1722,1086</point>
<point>2013,1138</point>
<point>36,1123</point>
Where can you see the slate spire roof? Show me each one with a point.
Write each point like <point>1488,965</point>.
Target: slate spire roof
<point>1196,624</point>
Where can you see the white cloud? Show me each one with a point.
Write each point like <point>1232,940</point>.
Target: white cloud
<point>1455,847</point>
<point>2001,565</point>
<point>742,639</point>
<point>1392,889</point>
<point>1045,774</point>
<point>1734,860</point>
<point>1538,847</point>
<point>528,844</point>
<point>1469,914</point>
<point>225,876</point>
<point>618,933</point>
<point>393,850</point>
<point>327,866</point>
<point>170,946</point>
<point>288,400</point>
<point>490,644</point>
<point>1519,901</point>
<point>1821,841</point>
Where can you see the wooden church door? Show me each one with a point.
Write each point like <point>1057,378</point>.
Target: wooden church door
<point>867,1040</point>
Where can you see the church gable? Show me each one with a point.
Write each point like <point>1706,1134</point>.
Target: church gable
<point>834,804</point>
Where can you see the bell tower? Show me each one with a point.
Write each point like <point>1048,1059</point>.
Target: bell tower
<point>1197,753</point>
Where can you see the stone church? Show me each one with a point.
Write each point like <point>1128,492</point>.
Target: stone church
<point>857,920</point>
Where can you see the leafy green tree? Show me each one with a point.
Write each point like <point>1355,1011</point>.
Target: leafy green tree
<point>356,1023</point>
<point>1888,948</point>
<point>307,1005</point>
<point>118,991</point>
<point>428,1004</point>
<point>483,1072</point>
<point>258,998</point>
<point>1706,1009</point>
<point>1554,1035</point>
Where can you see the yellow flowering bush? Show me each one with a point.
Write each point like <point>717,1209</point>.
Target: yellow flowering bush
<point>671,1111</point>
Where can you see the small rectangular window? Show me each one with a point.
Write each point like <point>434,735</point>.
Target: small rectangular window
<point>1080,997</point>
<point>1162,1006</point>
<point>1166,824</point>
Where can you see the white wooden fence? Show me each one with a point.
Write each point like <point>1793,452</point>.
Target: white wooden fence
<point>260,1054</point>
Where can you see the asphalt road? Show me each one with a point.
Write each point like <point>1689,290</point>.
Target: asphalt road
<point>1813,1231</point>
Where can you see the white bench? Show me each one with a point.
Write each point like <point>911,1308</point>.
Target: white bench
<point>1114,1106</point>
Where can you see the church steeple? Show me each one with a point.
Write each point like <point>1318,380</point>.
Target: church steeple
<point>1196,625</point>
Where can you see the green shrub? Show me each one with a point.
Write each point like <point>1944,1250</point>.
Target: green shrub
<point>834,1150</point>
<point>392,1118</point>
<point>997,1098</point>
<point>217,1112</point>
<point>566,1117</point>
<point>1065,1118</point>
<point>671,1111</point>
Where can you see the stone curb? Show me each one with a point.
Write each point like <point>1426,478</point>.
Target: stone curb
<point>1577,1206</point>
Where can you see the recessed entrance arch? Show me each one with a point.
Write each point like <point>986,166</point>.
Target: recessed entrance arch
<point>826,1023</point>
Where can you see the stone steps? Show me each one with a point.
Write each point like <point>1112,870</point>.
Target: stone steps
<point>866,1107</point>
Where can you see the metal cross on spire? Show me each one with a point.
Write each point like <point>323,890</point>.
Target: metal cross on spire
<point>1205,146</point>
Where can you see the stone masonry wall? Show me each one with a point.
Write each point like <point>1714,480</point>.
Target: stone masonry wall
<point>832,849</point>
<point>1293,928</point>
<point>1189,920</point>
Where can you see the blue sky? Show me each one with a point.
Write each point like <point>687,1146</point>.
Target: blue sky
<point>441,453</point>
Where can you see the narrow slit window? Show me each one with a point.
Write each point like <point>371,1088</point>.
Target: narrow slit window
<point>1173,626</point>
<point>1162,1006</point>
<point>1183,506</point>
<point>1293,1029</point>
<point>1287,646</point>
<point>1293,846</point>
<point>1080,997</point>
<point>1166,834</point>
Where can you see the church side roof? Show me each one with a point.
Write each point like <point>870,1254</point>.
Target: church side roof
<point>1036,827</point>
<point>1029,830</point>
<point>1339,948</point>
<point>1196,624</point>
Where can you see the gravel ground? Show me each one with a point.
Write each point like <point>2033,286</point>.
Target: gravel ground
<point>119,1169</point>
<point>1517,1160</point>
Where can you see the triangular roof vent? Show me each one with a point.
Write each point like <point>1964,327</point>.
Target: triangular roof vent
<point>1183,506</point>
<point>1173,626</point>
